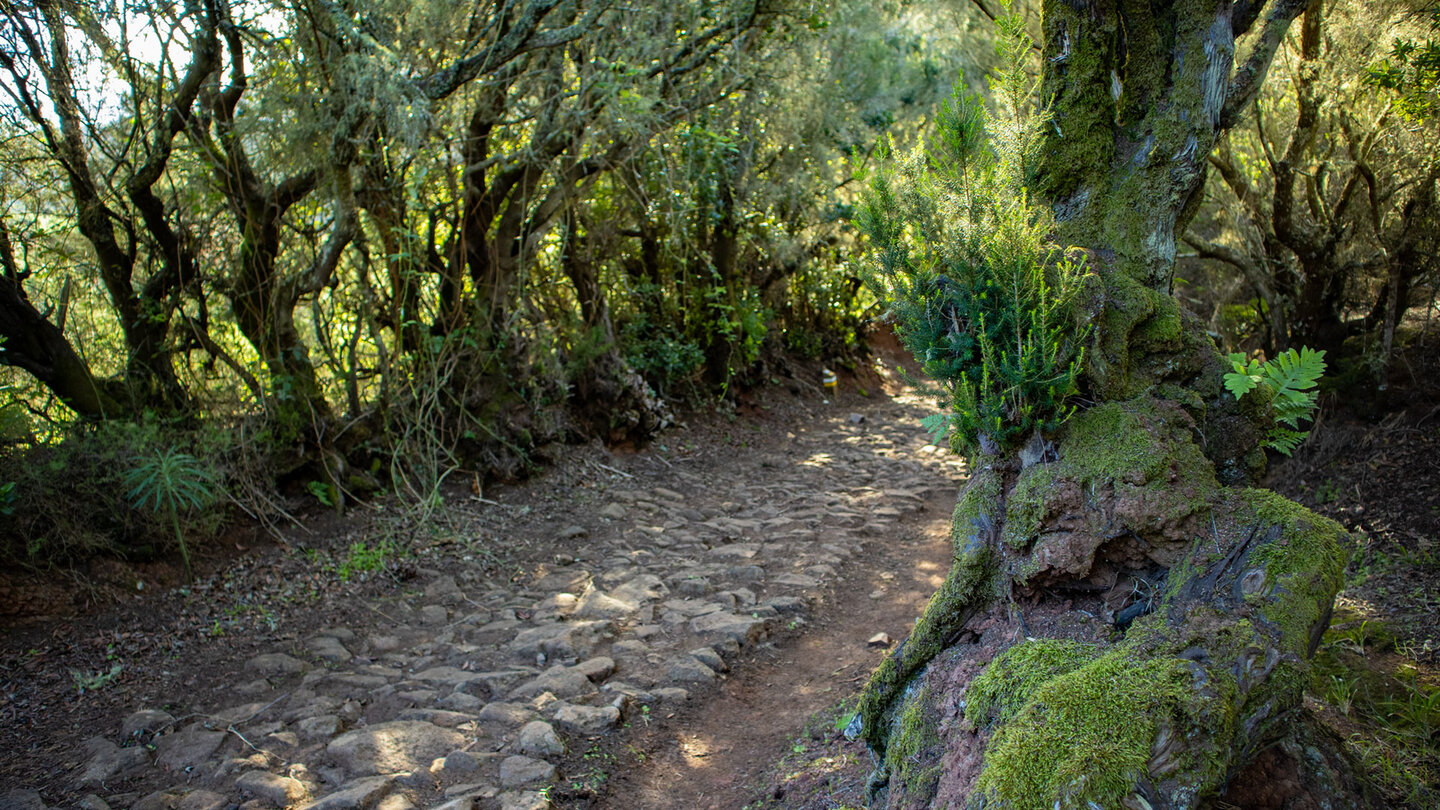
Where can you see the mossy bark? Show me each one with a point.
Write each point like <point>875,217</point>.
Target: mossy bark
<point>1126,623</point>
<point>1198,664</point>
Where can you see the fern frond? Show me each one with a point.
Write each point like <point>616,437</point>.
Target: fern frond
<point>1240,384</point>
<point>1290,377</point>
<point>1285,441</point>
<point>1293,372</point>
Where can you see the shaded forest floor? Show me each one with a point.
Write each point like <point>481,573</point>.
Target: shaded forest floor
<point>860,495</point>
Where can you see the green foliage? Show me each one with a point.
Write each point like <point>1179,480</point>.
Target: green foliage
<point>664,359</point>
<point>1411,72</point>
<point>364,558</point>
<point>321,491</point>
<point>1393,715</point>
<point>171,483</point>
<point>70,496</point>
<point>95,681</point>
<point>687,199</point>
<point>962,261</point>
<point>8,410</point>
<point>1290,379</point>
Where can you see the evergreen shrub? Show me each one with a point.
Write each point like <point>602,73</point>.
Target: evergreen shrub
<point>964,262</point>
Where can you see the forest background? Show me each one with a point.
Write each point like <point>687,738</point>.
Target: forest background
<point>259,250</point>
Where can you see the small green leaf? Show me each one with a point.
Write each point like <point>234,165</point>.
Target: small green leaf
<point>937,425</point>
<point>1241,384</point>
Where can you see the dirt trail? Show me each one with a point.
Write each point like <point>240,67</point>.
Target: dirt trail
<point>628,630</point>
<point>715,756</point>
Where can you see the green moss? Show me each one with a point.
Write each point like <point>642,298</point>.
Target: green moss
<point>1162,330</point>
<point>913,756</point>
<point>1304,568</point>
<point>1111,441</point>
<point>1081,157</point>
<point>1142,443</point>
<point>997,694</point>
<point>973,511</point>
<point>1086,736</point>
<point>963,592</point>
<point>1127,303</point>
<point>1025,508</point>
<point>1187,398</point>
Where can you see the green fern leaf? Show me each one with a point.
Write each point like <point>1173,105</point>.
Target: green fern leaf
<point>1290,377</point>
<point>1285,441</point>
<point>937,425</point>
<point>1294,372</point>
<point>1240,384</point>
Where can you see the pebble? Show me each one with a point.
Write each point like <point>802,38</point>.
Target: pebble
<point>274,664</point>
<point>21,800</point>
<point>461,763</point>
<point>444,590</point>
<point>188,748</point>
<point>509,714</point>
<point>148,721</point>
<point>743,629</point>
<point>689,670</point>
<point>461,702</point>
<point>523,800</point>
<point>108,760</point>
<point>328,648</point>
<point>710,658</point>
<point>563,682</point>
<point>401,745</point>
<point>355,795</point>
<point>597,669</point>
<point>202,800</point>
<point>279,791</point>
<point>321,726</point>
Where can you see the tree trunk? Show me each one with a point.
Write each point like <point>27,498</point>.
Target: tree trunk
<point>266,321</point>
<point>1126,624</point>
<point>31,342</point>
<point>607,395</point>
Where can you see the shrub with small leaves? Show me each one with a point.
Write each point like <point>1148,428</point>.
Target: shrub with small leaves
<point>962,258</point>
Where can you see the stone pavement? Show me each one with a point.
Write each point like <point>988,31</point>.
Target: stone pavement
<point>469,694</point>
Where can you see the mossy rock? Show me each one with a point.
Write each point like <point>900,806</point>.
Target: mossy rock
<point>1159,717</point>
<point>1125,469</point>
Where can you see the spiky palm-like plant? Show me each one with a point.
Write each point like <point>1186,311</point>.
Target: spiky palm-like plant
<point>171,483</point>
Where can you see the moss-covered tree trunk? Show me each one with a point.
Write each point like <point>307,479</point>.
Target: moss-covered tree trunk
<point>1127,623</point>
